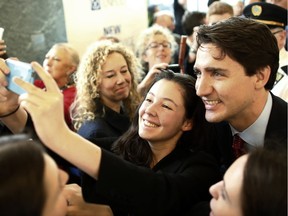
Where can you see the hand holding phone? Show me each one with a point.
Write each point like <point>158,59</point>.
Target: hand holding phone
<point>22,70</point>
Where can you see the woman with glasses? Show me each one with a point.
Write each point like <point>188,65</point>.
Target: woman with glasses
<point>156,47</point>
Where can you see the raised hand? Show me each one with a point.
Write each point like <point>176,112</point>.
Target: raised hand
<point>8,99</point>
<point>45,107</point>
<point>78,207</point>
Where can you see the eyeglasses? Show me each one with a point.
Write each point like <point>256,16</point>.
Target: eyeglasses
<point>155,45</point>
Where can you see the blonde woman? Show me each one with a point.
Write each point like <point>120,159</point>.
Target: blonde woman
<point>106,92</point>
<point>62,61</point>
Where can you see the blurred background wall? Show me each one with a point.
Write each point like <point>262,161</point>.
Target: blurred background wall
<point>32,27</point>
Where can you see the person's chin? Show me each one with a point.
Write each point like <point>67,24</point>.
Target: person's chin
<point>213,117</point>
<point>122,95</point>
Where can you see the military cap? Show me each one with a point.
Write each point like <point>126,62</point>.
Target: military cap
<point>269,14</point>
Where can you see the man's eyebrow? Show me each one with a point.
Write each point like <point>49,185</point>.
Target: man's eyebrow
<point>209,69</point>
<point>215,68</point>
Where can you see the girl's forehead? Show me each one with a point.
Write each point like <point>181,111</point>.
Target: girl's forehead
<point>168,89</point>
<point>158,37</point>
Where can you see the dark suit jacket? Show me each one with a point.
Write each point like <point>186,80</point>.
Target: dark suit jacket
<point>275,136</point>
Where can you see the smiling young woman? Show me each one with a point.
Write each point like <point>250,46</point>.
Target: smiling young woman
<point>246,188</point>
<point>168,167</point>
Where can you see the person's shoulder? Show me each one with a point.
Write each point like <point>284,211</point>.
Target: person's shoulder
<point>279,108</point>
<point>279,102</point>
<point>277,124</point>
<point>94,128</point>
<point>96,123</point>
<point>196,162</point>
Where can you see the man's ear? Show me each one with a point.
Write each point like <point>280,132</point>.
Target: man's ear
<point>187,125</point>
<point>283,35</point>
<point>262,76</point>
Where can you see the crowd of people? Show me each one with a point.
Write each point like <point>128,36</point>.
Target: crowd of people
<point>119,133</point>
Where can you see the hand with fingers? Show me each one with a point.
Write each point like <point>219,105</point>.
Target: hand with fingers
<point>8,100</point>
<point>78,207</point>
<point>148,79</point>
<point>40,103</point>
<point>46,110</point>
<point>3,49</point>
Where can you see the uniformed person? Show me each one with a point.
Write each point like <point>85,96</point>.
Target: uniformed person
<point>275,17</point>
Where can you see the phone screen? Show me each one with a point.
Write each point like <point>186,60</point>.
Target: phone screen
<point>22,70</point>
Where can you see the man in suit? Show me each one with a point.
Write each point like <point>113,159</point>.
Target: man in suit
<point>236,66</point>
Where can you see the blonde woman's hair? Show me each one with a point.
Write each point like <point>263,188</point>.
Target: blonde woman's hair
<point>87,105</point>
<point>74,56</point>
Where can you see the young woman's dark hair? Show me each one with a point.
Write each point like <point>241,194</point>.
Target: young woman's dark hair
<point>22,190</point>
<point>137,150</point>
<point>264,187</point>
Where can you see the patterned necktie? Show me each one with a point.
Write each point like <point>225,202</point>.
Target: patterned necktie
<point>238,146</point>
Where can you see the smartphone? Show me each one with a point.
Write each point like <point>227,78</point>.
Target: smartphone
<point>22,70</point>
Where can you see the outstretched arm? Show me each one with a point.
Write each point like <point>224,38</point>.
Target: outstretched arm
<point>46,110</point>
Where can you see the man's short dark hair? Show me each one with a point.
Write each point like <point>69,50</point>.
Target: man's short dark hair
<point>246,41</point>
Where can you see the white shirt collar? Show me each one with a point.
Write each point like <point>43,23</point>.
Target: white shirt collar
<point>254,135</point>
